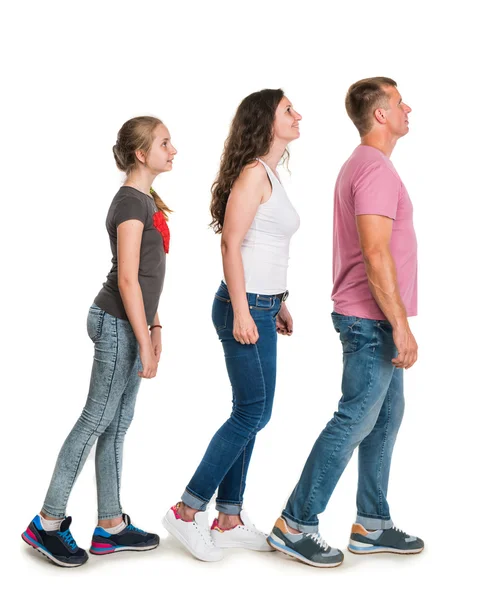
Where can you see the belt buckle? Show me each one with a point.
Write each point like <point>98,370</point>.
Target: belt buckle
<point>285,295</point>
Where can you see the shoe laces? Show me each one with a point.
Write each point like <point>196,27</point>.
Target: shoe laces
<point>68,539</point>
<point>316,537</point>
<point>131,527</point>
<point>205,533</point>
<point>399,530</point>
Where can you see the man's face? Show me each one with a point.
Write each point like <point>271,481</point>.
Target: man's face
<point>397,113</point>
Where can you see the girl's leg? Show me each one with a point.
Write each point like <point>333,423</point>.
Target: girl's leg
<point>108,459</point>
<point>111,372</point>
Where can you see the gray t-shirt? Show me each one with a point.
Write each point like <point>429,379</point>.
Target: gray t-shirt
<point>130,203</point>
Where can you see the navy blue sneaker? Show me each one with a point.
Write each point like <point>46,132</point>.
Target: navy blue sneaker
<point>309,548</point>
<point>130,538</point>
<point>391,540</point>
<point>58,546</point>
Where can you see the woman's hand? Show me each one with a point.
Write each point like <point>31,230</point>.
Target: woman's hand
<point>284,321</point>
<point>156,342</point>
<point>149,362</point>
<point>245,330</point>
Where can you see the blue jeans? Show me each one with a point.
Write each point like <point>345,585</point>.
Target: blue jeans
<point>369,415</point>
<point>106,417</point>
<point>252,371</point>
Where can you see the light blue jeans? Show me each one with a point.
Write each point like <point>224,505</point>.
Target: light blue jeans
<point>106,417</point>
<point>369,416</point>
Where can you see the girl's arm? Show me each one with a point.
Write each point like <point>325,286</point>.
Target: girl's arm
<point>129,234</point>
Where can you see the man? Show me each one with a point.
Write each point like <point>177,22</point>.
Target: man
<point>375,291</point>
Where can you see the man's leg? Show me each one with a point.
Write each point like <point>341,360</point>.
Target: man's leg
<point>375,456</point>
<point>368,351</point>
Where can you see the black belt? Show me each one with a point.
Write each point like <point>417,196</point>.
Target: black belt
<point>283,296</point>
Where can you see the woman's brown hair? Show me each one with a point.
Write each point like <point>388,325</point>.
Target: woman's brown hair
<point>137,134</point>
<point>250,136</point>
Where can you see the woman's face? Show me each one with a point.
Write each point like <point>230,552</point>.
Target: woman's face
<point>161,154</point>
<point>286,124</point>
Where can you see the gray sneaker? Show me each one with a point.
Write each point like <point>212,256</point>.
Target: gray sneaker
<point>309,548</point>
<point>391,540</point>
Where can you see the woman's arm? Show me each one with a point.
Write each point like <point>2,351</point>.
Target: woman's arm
<point>129,234</point>
<point>247,194</point>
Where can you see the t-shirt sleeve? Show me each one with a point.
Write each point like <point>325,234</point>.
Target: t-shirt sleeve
<point>130,208</point>
<point>377,192</point>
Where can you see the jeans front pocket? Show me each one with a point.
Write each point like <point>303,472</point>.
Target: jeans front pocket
<point>261,302</point>
<point>220,312</point>
<point>94,323</point>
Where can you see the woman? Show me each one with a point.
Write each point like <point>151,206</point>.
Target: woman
<point>252,211</point>
<point>125,352</point>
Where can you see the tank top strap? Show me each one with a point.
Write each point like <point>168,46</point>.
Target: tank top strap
<point>270,173</point>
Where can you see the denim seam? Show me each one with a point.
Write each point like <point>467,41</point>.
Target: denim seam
<point>382,452</point>
<point>220,501</point>
<point>306,507</point>
<point>117,457</point>
<point>242,471</point>
<point>69,489</point>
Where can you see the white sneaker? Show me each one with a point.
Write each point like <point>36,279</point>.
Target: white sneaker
<point>194,535</point>
<point>241,536</point>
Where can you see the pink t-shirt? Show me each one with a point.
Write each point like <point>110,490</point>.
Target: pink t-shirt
<point>368,184</point>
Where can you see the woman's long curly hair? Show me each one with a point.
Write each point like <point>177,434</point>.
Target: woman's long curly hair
<point>250,136</point>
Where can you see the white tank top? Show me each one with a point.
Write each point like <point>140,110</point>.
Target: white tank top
<point>265,249</point>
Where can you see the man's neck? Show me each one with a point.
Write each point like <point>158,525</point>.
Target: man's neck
<point>384,143</point>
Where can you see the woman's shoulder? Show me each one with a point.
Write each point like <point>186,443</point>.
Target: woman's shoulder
<point>252,173</point>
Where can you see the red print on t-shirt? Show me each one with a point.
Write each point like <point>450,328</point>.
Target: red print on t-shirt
<point>160,223</point>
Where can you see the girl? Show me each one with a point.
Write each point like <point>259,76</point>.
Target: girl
<point>252,211</point>
<point>125,352</point>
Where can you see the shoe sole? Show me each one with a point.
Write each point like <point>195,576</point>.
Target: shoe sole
<point>121,549</point>
<point>42,550</point>
<point>181,539</point>
<point>242,545</point>
<point>380,550</point>
<point>300,557</point>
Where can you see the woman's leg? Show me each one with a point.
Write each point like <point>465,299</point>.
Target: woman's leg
<point>252,373</point>
<point>111,372</point>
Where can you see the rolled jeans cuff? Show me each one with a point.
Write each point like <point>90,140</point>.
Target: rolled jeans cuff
<point>228,508</point>
<point>374,523</point>
<point>300,526</point>
<point>193,501</point>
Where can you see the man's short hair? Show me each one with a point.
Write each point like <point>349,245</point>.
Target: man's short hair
<point>363,98</point>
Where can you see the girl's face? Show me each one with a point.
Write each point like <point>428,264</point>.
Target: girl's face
<point>161,155</point>
<point>286,124</point>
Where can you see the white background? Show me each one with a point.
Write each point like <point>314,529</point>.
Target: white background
<point>72,73</point>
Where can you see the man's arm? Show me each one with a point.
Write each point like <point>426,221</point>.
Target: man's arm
<point>375,232</point>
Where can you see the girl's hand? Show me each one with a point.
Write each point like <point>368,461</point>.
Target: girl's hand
<point>149,362</point>
<point>156,342</point>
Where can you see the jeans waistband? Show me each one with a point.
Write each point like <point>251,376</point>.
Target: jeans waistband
<point>282,296</point>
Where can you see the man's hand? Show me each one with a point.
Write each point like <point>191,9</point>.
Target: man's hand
<point>406,346</point>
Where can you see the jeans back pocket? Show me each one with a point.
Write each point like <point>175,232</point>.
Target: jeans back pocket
<point>220,312</point>
<point>94,323</point>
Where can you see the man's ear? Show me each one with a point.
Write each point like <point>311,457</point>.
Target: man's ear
<point>380,115</point>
